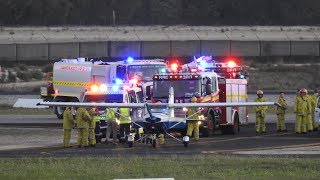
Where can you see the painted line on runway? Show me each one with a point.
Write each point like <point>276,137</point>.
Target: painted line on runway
<point>263,148</point>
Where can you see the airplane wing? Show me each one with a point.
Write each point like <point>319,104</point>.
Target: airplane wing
<point>80,104</point>
<point>228,104</point>
<point>157,105</point>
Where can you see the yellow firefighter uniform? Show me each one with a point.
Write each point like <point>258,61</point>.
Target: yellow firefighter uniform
<point>193,114</point>
<point>313,107</point>
<point>111,124</point>
<point>261,112</point>
<point>92,124</point>
<point>301,108</point>
<point>67,127</point>
<point>125,122</point>
<point>309,116</point>
<point>281,126</point>
<point>82,118</point>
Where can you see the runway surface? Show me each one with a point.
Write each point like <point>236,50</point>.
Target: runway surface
<point>47,142</point>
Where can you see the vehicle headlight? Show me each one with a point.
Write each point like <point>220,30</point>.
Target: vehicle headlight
<point>199,122</point>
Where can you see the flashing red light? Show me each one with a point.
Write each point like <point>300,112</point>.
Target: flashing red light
<point>126,88</point>
<point>231,64</point>
<point>94,88</point>
<point>134,81</point>
<point>174,67</point>
<point>56,91</point>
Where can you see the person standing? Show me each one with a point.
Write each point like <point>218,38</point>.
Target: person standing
<point>313,107</point>
<point>125,123</point>
<point>309,115</point>
<point>83,117</point>
<point>301,108</point>
<point>193,116</point>
<point>281,125</point>
<point>111,125</point>
<point>92,124</point>
<point>261,112</point>
<point>68,124</point>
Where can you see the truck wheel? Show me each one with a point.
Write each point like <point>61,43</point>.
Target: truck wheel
<point>207,132</point>
<point>58,110</point>
<point>130,144</point>
<point>232,129</point>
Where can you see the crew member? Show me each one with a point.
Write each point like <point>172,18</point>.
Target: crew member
<point>309,115</point>
<point>313,107</point>
<point>68,124</point>
<point>94,112</point>
<point>111,125</point>
<point>193,116</point>
<point>301,108</point>
<point>125,123</point>
<point>281,126</point>
<point>82,117</point>
<point>261,112</point>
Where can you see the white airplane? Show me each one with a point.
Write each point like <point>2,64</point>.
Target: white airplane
<point>166,116</point>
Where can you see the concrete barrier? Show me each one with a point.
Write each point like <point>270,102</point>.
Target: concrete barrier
<point>63,50</point>
<point>275,48</point>
<point>8,52</point>
<point>155,49</point>
<point>28,103</point>
<point>94,49</point>
<point>32,51</point>
<point>215,48</point>
<point>124,48</point>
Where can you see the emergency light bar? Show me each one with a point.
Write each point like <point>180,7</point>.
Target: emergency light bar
<point>175,77</point>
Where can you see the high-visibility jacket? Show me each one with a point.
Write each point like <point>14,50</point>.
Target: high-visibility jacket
<point>262,110</point>
<point>94,117</point>
<point>193,113</point>
<point>82,117</point>
<point>282,109</point>
<point>68,119</point>
<point>124,115</point>
<point>110,114</point>
<point>314,98</point>
<point>206,98</point>
<point>302,106</point>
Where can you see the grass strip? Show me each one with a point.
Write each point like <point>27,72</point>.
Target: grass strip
<point>194,167</point>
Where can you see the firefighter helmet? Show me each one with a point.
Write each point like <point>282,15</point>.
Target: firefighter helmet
<point>193,99</point>
<point>259,92</point>
<point>303,90</point>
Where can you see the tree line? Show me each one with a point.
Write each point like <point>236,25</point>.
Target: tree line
<point>159,12</point>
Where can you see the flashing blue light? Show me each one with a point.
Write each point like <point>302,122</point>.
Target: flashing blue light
<point>203,64</point>
<point>163,70</point>
<point>130,59</point>
<point>242,76</point>
<point>115,88</point>
<point>118,81</point>
<point>163,110</point>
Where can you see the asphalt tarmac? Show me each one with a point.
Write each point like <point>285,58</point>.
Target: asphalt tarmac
<point>246,143</point>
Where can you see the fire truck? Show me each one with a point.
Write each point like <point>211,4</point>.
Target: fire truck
<point>72,78</point>
<point>211,87</point>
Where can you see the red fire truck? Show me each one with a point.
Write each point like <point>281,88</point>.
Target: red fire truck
<point>211,87</point>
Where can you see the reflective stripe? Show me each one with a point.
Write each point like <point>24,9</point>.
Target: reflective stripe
<point>65,83</point>
<point>236,95</point>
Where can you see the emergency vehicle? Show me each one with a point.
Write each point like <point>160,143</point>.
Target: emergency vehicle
<point>212,87</point>
<point>72,78</point>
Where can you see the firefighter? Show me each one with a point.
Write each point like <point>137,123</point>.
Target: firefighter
<point>125,123</point>
<point>193,114</point>
<point>309,115</point>
<point>301,108</point>
<point>94,114</point>
<point>313,107</point>
<point>281,126</point>
<point>111,125</point>
<point>68,124</point>
<point>261,112</point>
<point>83,117</point>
